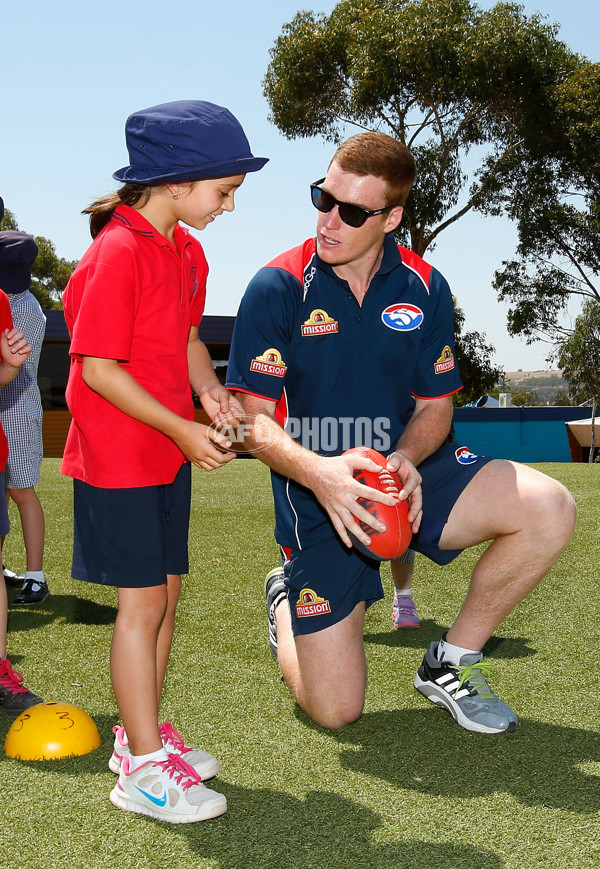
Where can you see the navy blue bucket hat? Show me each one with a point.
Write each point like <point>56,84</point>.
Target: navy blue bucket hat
<point>186,140</point>
<point>17,255</point>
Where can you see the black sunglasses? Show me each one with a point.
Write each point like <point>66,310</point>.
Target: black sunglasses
<point>351,214</point>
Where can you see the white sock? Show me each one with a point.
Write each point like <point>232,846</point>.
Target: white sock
<point>38,578</point>
<point>403,592</point>
<point>138,759</point>
<point>452,654</point>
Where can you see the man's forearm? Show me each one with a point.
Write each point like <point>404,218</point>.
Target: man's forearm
<point>272,444</point>
<point>426,431</point>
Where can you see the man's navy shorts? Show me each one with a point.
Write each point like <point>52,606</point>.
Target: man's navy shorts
<point>132,538</point>
<point>325,582</point>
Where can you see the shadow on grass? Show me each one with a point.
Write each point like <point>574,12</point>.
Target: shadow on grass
<point>419,638</point>
<point>265,828</point>
<point>537,764</point>
<point>63,607</point>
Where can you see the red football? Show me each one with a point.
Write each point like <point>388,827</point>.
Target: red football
<point>395,540</point>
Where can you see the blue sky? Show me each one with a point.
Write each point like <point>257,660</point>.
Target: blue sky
<point>73,71</point>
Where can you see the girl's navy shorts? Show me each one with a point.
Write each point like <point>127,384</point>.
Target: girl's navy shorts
<point>326,581</point>
<point>131,538</point>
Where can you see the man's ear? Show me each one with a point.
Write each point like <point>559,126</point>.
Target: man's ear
<point>394,218</point>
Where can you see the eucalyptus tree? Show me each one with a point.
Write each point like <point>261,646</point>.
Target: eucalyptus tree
<point>465,89</point>
<point>554,198</point>
<point>579,358</point>
<point>50,272</point>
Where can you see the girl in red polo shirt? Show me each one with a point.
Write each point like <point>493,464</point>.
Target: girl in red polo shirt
<point>133,306</point>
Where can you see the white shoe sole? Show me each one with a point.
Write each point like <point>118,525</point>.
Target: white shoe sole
<point>213,809</point>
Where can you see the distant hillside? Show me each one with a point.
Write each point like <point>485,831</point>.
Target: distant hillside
<point>543,384</point>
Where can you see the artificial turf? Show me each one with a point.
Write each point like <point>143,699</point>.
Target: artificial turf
<point>403,788</point>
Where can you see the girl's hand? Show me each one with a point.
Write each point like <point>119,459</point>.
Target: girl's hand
<point>203,446</point>
<point>14,347</point>
<point>220,405</point>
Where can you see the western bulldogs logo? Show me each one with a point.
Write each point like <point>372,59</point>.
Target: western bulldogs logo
<point>402,317</point>
<point>464,456</point>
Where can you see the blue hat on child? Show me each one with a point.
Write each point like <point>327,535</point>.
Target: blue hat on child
<point>17,255</point>
<point>186,140</point>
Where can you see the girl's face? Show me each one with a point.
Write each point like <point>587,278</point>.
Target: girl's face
<point>199,203</point>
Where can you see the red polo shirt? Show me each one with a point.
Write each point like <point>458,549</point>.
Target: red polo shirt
<point>133,297</point>
<point>6,322</point>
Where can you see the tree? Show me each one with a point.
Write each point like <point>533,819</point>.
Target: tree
<point>562,399</point>
<point>50,272</point>
<point>473,355</point>
<point>442,76</point>
<point>579,357</point>
<point>522,398</point>
<point>449,80</point>
<point>554,198</point>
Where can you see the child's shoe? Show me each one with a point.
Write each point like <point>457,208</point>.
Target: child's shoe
<point>168,790</point>
<point>14,696</point>
<point>205,765</point>
<point>404,613</point>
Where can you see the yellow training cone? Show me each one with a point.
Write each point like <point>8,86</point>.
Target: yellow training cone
<point>51,730</point>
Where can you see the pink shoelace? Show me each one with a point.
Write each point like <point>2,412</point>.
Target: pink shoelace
<point>180,770</point>
<point>9,678</point>
<point>172,736</point>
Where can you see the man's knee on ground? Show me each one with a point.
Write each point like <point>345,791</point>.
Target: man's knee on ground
<point>334,718</point>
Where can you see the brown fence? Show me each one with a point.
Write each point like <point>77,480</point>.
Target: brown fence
<point>56,425</point>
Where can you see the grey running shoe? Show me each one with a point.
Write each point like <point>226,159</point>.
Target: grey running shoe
<point>275,591</point>
<point>463,692</point>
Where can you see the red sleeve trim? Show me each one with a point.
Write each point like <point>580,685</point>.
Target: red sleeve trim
<point>255,394</point>
<point>433,397</point>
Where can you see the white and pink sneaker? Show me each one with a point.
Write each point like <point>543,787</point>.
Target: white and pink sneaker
<point>204,764</point>
<point>168,790</point>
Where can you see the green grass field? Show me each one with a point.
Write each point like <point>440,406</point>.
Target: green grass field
<point>404,788</point>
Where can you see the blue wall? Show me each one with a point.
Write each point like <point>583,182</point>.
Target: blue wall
<point>524,434</point>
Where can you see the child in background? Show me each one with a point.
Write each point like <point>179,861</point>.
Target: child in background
<point>21,413</point>
<point>14,350</point>
<point>404,613</point>
<point>133,306</point>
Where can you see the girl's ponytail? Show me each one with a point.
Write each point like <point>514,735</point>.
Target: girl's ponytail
<point>102,209</point>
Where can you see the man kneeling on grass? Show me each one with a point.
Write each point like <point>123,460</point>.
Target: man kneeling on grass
<point>347,329</point>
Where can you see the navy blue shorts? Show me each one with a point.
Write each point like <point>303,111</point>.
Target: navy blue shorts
<point>326,581</point>
<point>316,596</point>
<point>4,520</point>
<point>131,538</point>
<point>445,476</point>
